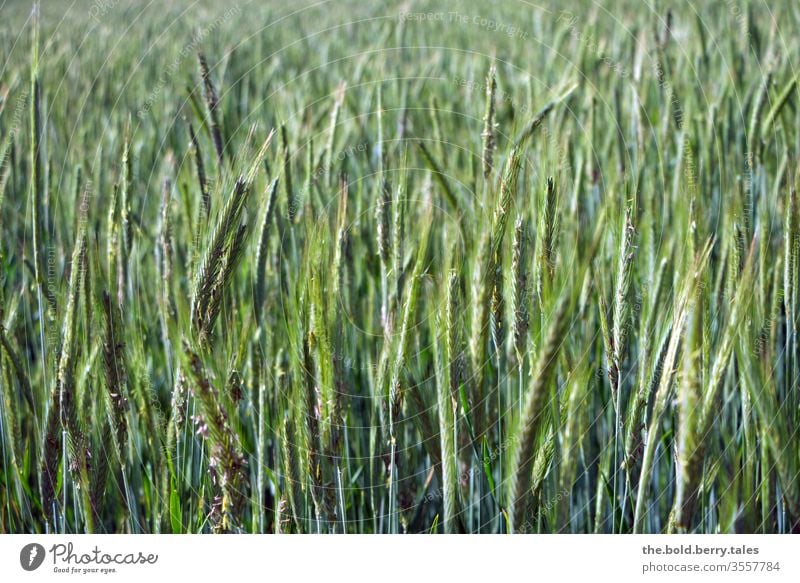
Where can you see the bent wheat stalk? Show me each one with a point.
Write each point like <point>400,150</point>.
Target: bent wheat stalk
<point>530,422</point>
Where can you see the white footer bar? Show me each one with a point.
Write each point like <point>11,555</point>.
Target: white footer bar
<point>352,558</point>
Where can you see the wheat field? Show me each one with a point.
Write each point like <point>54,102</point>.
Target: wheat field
<point>420,267</point>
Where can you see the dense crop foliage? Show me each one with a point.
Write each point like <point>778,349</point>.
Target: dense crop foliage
<point>424,267</point>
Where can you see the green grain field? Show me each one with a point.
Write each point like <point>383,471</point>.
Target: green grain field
<point>419,267</point>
